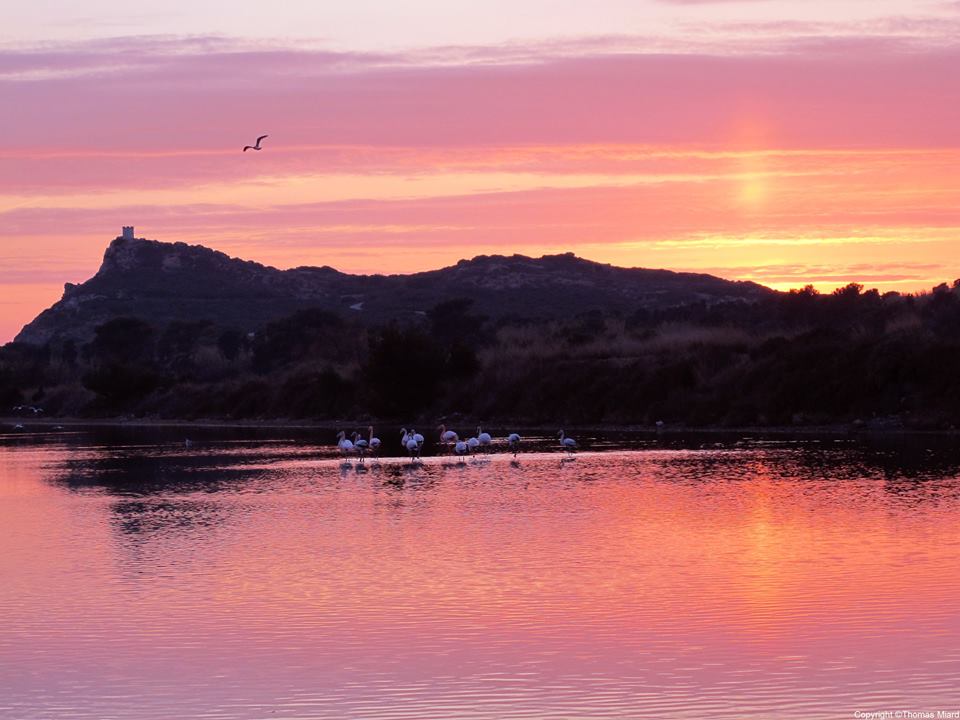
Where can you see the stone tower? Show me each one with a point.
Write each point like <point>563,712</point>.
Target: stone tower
<point>127,232</point>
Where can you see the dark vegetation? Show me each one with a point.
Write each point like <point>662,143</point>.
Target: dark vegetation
<point>175,282</point>
<point>790,358</point>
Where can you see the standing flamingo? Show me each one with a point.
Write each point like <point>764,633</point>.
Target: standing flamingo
<point>447,436</point>
<point>567,443</point>
<point>409,442</point>
<point>472,444</point>
<point>513,440</point>
<point>345,445</point>
<point>373,442</point>
<point>460,448</point>
<point>360,444</point>
<point>484,438</point>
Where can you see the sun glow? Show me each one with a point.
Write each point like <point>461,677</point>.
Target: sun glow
<point>767,162</point>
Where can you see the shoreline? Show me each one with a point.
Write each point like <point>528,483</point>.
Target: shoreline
<point>833,430</point>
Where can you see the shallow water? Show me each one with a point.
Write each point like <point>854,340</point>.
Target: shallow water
<point>260,577</point>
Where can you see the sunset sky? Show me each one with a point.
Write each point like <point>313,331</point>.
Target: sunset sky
<point>787,142</point>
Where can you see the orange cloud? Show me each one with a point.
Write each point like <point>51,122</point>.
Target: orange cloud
<point>394,163</point>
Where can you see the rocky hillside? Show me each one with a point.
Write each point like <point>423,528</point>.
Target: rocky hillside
<point>161,282</point>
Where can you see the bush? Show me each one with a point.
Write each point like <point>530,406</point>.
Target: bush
<point>403,372</point>
<point>119,386</point>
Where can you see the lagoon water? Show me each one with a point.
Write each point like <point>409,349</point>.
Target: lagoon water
<point>256,576</point>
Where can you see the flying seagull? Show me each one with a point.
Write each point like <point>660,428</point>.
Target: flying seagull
<point>257,146</point>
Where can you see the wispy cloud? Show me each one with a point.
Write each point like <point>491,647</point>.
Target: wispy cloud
<point>707,2</point>
<point>617,147</point>
<point>182,99</point>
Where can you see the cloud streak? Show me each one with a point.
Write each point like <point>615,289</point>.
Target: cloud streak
<point>817,99</point>
<point>612,147</point>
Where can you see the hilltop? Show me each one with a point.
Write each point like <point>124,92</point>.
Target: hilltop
<point>165,282</point>
<point>181,332</point>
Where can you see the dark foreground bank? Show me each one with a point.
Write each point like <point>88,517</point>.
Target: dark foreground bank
<point>852,360</point>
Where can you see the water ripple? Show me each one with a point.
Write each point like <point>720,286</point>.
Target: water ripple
<point>269,579</point>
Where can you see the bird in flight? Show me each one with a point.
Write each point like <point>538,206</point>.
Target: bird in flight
<point>257,145</point>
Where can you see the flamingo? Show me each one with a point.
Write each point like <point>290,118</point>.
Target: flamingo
<point>410,443</point>
<point>447,436</point>
<point>419,438</point>
<point>513,440</point>
<point>460,448</point>
<point>360,444</point>
<point>413,447</point>
<point>483,437</point>
<point>472,444</point>
<point>345,445</point>
<point>567,443</point>
<point>373,442</point>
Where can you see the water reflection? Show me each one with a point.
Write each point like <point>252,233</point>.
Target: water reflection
<point>246,577</point>
<point>156,518</point>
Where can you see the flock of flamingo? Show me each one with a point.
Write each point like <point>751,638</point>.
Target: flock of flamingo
<point>450,441</point>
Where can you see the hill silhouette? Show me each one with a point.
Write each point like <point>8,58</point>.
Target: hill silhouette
<point>181,332</point>
<point>165,282</point>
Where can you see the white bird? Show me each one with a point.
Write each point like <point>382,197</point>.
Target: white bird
<point>460,448</point>
<point>472,444</point>
<point>345,445</point>
<point>410,443</point>
<point>419,438</point>
<point>567,443</point>
<point>447,436</point>
<point>373,442</point>
<point>360,444</point>
<point>413,448</point>
<point>256,145</point>
<point>483,437</point>
<point>513,440</point>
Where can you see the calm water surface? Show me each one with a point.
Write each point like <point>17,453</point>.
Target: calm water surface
<point>251,577</point>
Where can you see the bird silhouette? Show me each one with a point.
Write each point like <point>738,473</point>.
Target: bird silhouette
<point>567,443</point>
<point>255,146</point>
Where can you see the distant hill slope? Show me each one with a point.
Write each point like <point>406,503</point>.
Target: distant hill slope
<point>161,282</point>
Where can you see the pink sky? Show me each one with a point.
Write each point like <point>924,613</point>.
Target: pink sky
<point>756,140</point>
